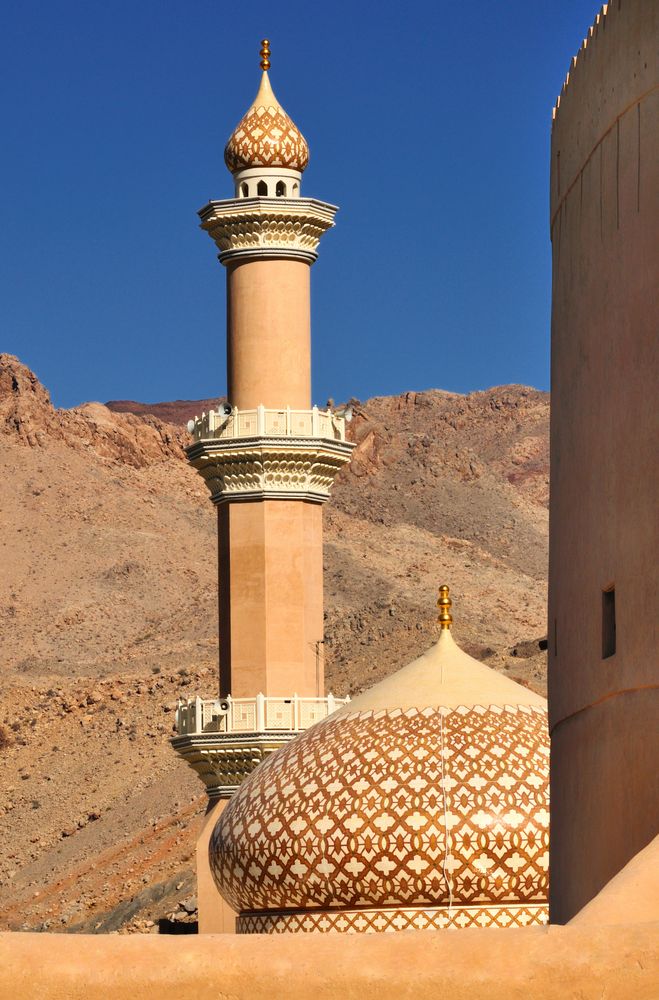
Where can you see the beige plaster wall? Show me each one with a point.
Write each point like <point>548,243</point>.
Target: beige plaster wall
<point>632,895</point>
<point>604,794</point>
<point>214,913</point>
<point>604,528</point>
<point>271,598</point>
<point>269,334</point>
<point>553,963</point>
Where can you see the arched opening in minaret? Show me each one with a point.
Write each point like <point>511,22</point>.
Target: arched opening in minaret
<point>262,189</point>
<point>280,190</point>
<point>294,188</point>
<point>244,190</point>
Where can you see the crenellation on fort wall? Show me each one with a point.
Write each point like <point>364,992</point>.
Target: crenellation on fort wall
<point>615,69</point>
<point>598,25</point>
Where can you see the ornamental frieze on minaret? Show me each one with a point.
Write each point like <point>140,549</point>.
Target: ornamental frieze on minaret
<point>269,458</point>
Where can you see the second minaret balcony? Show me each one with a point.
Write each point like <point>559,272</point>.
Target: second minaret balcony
<point>224,739</point>
<point>264,453</point>
<point>263,422</point>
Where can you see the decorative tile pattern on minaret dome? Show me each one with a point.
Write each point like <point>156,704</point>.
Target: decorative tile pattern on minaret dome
<point>266,136</point>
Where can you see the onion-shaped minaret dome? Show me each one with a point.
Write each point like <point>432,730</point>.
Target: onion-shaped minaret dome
<point>423,803</point>
<point>266,153</point>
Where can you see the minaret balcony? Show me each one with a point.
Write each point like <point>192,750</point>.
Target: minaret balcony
<point>224,739</point>
<point>243,228</point>
<point>263,422</point>
<point>265,454</point>
<point>253,715</point>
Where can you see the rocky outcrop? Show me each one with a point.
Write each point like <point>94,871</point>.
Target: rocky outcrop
<point>28,417</point>
<point>473,467</point>
<point>501,431</point>
<point>178,411</point>
<point>26,412</point>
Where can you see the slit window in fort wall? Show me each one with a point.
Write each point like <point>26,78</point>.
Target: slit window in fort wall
<point>608,622</point>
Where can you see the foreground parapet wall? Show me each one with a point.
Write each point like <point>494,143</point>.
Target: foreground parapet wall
<point>604,530</point>
<point>543,963</point>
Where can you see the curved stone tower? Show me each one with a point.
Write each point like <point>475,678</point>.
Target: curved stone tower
<point>604,521</point>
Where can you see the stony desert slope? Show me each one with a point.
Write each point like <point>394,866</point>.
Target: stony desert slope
<point>108,613</point>
<point>177,411</point>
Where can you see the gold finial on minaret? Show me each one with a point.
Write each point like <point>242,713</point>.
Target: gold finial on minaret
<point>444,603</point>
<point>265,54</point>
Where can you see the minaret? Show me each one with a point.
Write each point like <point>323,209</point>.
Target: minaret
<point>268,457</point>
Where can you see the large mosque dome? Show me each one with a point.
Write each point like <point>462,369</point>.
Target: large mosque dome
<point>266,136</point>
<point>422,803</point>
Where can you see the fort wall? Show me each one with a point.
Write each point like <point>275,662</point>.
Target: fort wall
<point>543,963</point>
<point>604,525</point>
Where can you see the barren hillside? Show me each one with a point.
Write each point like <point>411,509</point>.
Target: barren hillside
<point>178,411</point>
<point>108,613</point>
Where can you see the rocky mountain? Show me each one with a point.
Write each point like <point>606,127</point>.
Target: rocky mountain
<point>108,614</point>
<point>178,411</point>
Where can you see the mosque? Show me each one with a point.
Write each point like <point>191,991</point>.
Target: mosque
<point>422,805</point>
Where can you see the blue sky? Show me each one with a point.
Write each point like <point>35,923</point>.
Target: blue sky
<point>428,124</point>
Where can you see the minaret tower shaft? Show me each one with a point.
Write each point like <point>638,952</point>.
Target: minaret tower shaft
<point>268,457</point>
<point>269,460</point>
<point>268,269</point>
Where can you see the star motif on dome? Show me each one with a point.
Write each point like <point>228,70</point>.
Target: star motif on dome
<point>356,829</point>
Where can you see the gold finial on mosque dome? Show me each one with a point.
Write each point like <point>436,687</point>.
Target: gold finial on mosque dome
<point>265,54</point>
<point>444,603</point>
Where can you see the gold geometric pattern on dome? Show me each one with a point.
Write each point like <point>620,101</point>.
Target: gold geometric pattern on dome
<point>266,136</point>
<point>393,919</point>
<point>395,809</point>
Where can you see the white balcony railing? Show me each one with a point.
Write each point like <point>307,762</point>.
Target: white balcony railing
<point>262,422</point>
<point>253,715</point>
